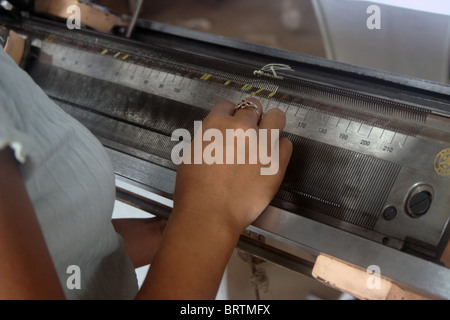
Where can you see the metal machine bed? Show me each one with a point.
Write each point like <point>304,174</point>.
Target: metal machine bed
<point>369,179</point>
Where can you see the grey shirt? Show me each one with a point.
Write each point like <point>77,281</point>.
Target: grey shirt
<point>70,181</point>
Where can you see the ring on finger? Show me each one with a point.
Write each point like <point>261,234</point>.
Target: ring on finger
<point>244,104</point>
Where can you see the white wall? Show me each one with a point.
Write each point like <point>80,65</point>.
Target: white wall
<point>413,38</point>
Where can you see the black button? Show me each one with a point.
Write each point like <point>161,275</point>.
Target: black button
<point>390,213</point>
<point>420,203</point>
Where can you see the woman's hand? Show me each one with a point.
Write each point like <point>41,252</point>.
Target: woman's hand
<point>214,203</point>
<point>234,194</point>
<point>141,237</point>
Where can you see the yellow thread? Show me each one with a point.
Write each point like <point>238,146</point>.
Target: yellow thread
<point>104,52</point>
<point>117,54</point>
<point>272,94</point>
<point>205,77</point>
<point>257,91</point>
<point>227,83</point>
<point>246,87</point>
<point>125,57</point>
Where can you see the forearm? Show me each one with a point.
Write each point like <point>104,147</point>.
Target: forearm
<point>191,259</point>
<point>141,238</point>
<point>26,268</point>
<point>213,204</point>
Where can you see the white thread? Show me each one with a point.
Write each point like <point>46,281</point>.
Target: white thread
<point>272,67</point>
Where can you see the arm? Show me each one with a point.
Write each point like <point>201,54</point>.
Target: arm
<point>213,204</point>
<point>26,269</point>
<point>141,238</point>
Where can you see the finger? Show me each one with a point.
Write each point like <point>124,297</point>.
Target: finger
<point>250,115</point>
<point>224,107</point>
<point>286,149</point>
<point>285,153</point>
<point>273,119</point>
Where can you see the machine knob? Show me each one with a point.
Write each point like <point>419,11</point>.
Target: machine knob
<point>389,213</point>
<point>419,200</point>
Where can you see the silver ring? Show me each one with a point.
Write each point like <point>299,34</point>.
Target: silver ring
<point>246,104</point>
